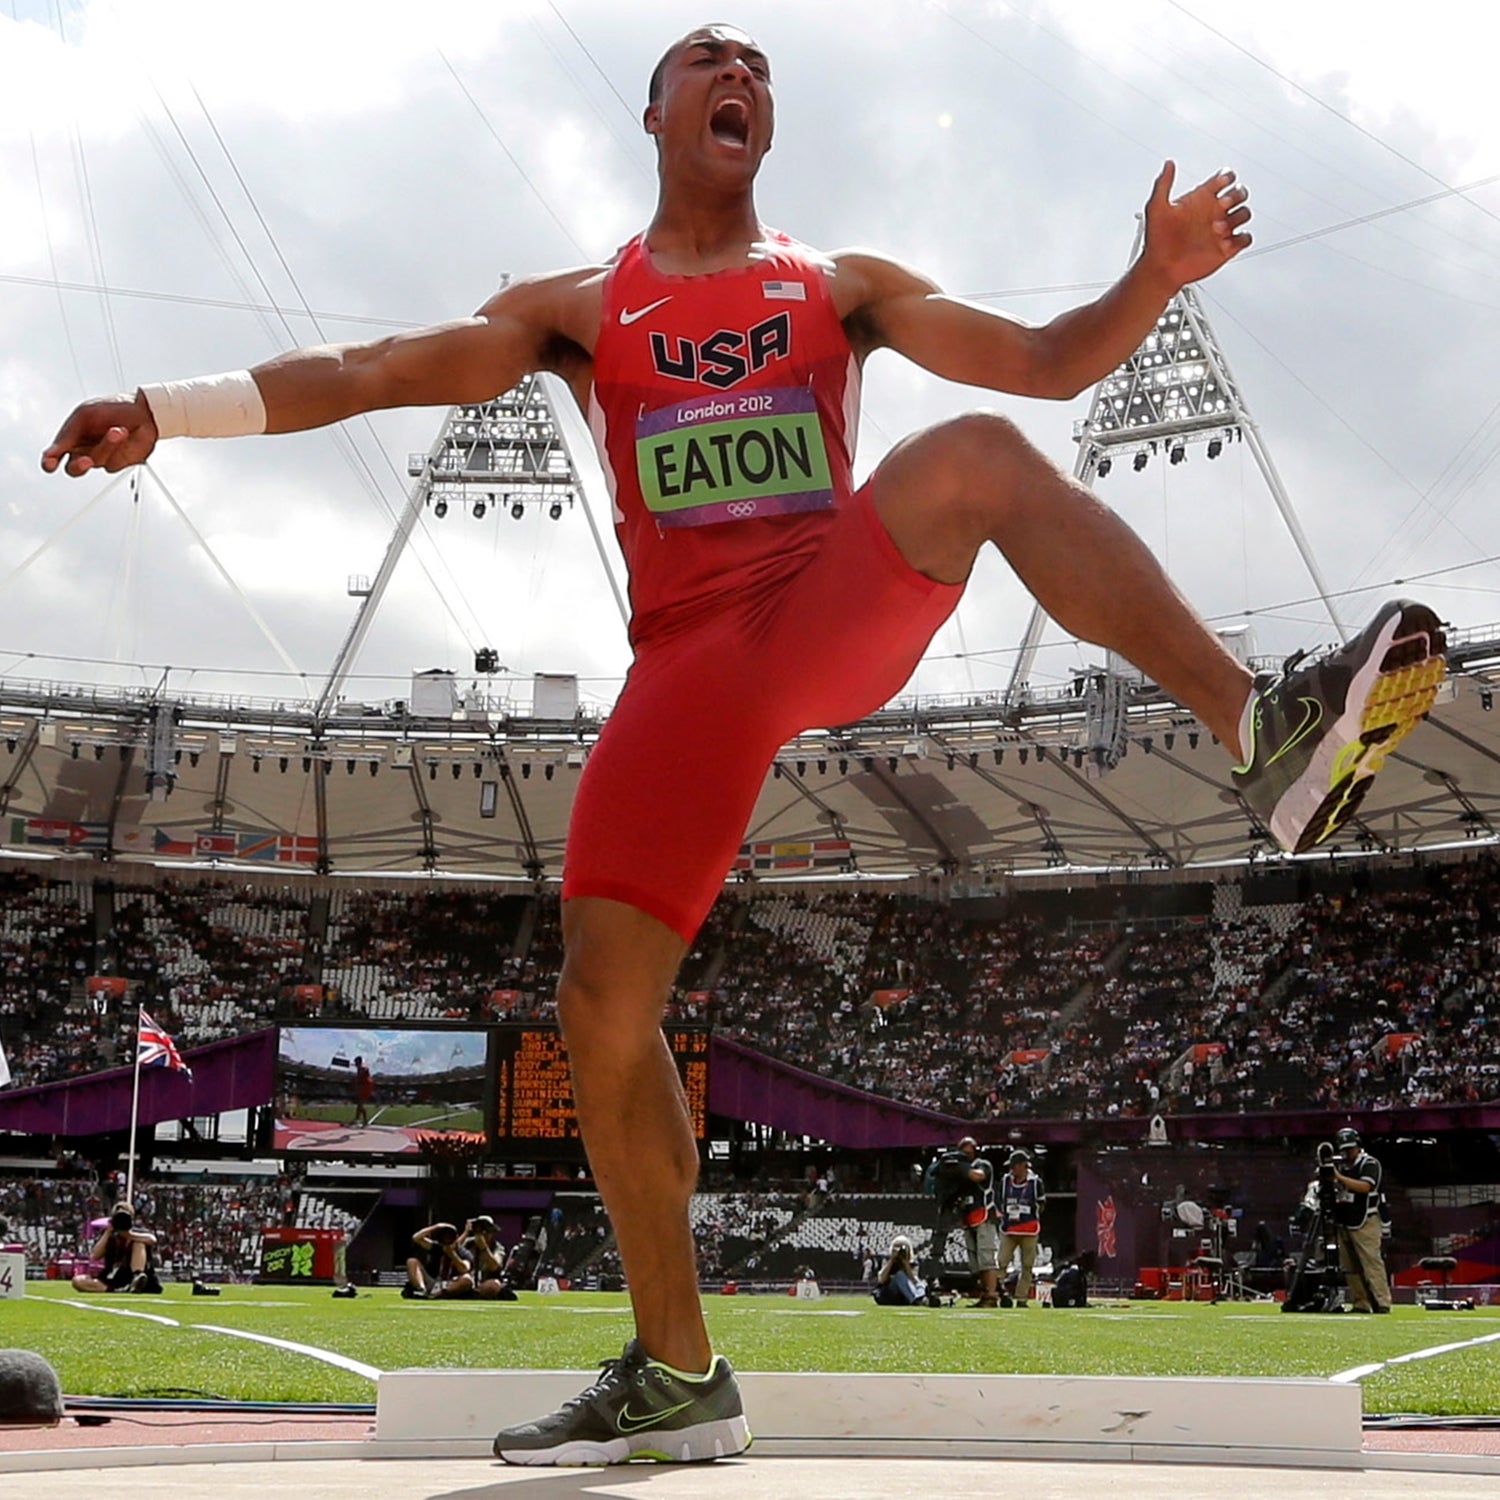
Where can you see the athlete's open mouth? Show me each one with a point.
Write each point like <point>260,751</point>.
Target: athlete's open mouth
<point>730,122</point>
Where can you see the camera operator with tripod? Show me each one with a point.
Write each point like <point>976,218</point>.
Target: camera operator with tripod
<point>1357,1204</point>
<point>963,1182</point>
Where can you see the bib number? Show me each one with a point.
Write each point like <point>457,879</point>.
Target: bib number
<point>733,457</point>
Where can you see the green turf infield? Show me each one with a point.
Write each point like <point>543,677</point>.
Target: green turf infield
<point>98,1352</point>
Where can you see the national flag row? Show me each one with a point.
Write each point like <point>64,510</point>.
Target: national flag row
<point>272,848</point>
<point>804,854</point>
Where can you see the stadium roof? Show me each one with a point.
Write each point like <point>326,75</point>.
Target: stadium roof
<point>962,786</point>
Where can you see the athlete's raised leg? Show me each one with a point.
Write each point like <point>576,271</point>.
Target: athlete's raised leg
<point>944,492</point>
<point>1314,737</point>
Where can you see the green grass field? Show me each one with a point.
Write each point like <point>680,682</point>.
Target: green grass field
<point>100,1353</point>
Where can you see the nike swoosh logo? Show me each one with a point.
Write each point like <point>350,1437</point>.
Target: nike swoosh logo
<point>627,1422</point>
<point>1312,716</point>
<point>627,317</point>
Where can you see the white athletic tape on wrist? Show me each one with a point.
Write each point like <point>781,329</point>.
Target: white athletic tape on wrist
<point>226,405</point>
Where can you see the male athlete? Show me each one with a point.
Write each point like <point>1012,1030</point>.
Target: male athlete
<point>718,363</point>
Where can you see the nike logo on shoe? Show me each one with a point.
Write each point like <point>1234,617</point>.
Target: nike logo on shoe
<point>627,317</point>
<point>627,1421</point>
<point>1312,716</point>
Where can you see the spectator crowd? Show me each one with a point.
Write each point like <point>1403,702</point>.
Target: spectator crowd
<point>1380,995</point>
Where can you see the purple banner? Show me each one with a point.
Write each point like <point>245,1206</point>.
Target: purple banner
<point>747,1085</point>
<point>237,1073</point>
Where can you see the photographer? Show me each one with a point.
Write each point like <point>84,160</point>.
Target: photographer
<point>441,1269</point>
<point>963,1183</point>
<point>128,1255</point>
<point>480,1244</point>
<point>1020,1200</point>
<point>1356,1179</point>
<point>897,1284</point>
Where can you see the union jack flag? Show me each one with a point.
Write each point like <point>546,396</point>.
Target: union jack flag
<point>155,1049</point>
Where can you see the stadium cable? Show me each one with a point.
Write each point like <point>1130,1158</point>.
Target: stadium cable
<point>1216,96</point>
<point>101,661</point>
<point>583,47</point>
<point>511,157</point>
<point>1446,191</point>
<point>230,304</point>
<point>62,309</point>
<point>341,438</point>
<point>91,225</point>
<point>1324,104</point>
<point>228,577</point>
<point>57,535</point>
<point>1423,496</point>
<point>626,149</point>
<point>1268,609</point>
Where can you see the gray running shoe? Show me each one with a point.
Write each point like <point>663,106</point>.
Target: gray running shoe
<point>1318,734</point>
<point>637,1409</point>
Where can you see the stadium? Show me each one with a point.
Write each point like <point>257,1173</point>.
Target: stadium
<point>280,927</point>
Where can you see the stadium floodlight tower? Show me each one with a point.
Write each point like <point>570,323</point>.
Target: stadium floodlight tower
<point>508,453</point>
<point>1174,391</point>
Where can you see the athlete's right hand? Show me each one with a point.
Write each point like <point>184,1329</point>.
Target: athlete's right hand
<point>108,432</point>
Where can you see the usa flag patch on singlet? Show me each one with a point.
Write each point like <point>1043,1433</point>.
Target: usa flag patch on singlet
<point>784,291</point>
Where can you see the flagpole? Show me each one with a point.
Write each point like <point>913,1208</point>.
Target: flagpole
<point>135,1100</point>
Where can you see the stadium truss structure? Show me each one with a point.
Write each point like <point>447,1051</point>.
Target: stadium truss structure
<point>958,787</point>
<point>1106,773</point>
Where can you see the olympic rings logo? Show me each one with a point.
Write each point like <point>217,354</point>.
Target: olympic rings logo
<point>739,509</point>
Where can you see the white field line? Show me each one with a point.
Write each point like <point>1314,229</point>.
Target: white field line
<point>1348,1377</point>
<point>357,1367</point>
<point>120,1312</point>
<point>328,1356</point>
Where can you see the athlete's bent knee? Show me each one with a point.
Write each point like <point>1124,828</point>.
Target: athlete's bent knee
<point>602,1012</point>
<point>988,443</point>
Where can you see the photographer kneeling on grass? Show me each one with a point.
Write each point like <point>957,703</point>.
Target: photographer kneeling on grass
<point>128,1254</point>
<point>440,1269</point>
<point>897,1285</point>
<point>480,1244</point>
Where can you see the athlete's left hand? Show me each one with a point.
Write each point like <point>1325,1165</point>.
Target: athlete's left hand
<point>1190,237</point>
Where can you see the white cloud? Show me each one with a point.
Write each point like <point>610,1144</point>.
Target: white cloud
<point>388,195</point>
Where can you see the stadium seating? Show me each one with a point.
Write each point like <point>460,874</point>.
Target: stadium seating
<point>1377,992</point>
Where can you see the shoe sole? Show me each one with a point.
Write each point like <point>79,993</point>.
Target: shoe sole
<point>1391,692</point>
<point>702,1443</point>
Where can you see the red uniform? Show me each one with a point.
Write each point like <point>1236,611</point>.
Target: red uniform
<point>766,595</point>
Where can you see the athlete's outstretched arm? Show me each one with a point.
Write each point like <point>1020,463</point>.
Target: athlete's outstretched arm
<point>471,359</point>
<point>1186,239</point>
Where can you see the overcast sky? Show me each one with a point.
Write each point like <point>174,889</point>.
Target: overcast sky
<point>380,161</point>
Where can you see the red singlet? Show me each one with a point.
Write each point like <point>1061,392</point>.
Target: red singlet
<point>766,596</point>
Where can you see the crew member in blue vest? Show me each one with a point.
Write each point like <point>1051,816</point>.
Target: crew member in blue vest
<point>1020,1201</point>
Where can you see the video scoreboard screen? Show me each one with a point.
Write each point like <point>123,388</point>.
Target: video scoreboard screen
<point>536,1088</point>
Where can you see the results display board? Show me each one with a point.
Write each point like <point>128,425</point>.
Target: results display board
<point>536,1089</point>
<point>346,1091</point>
